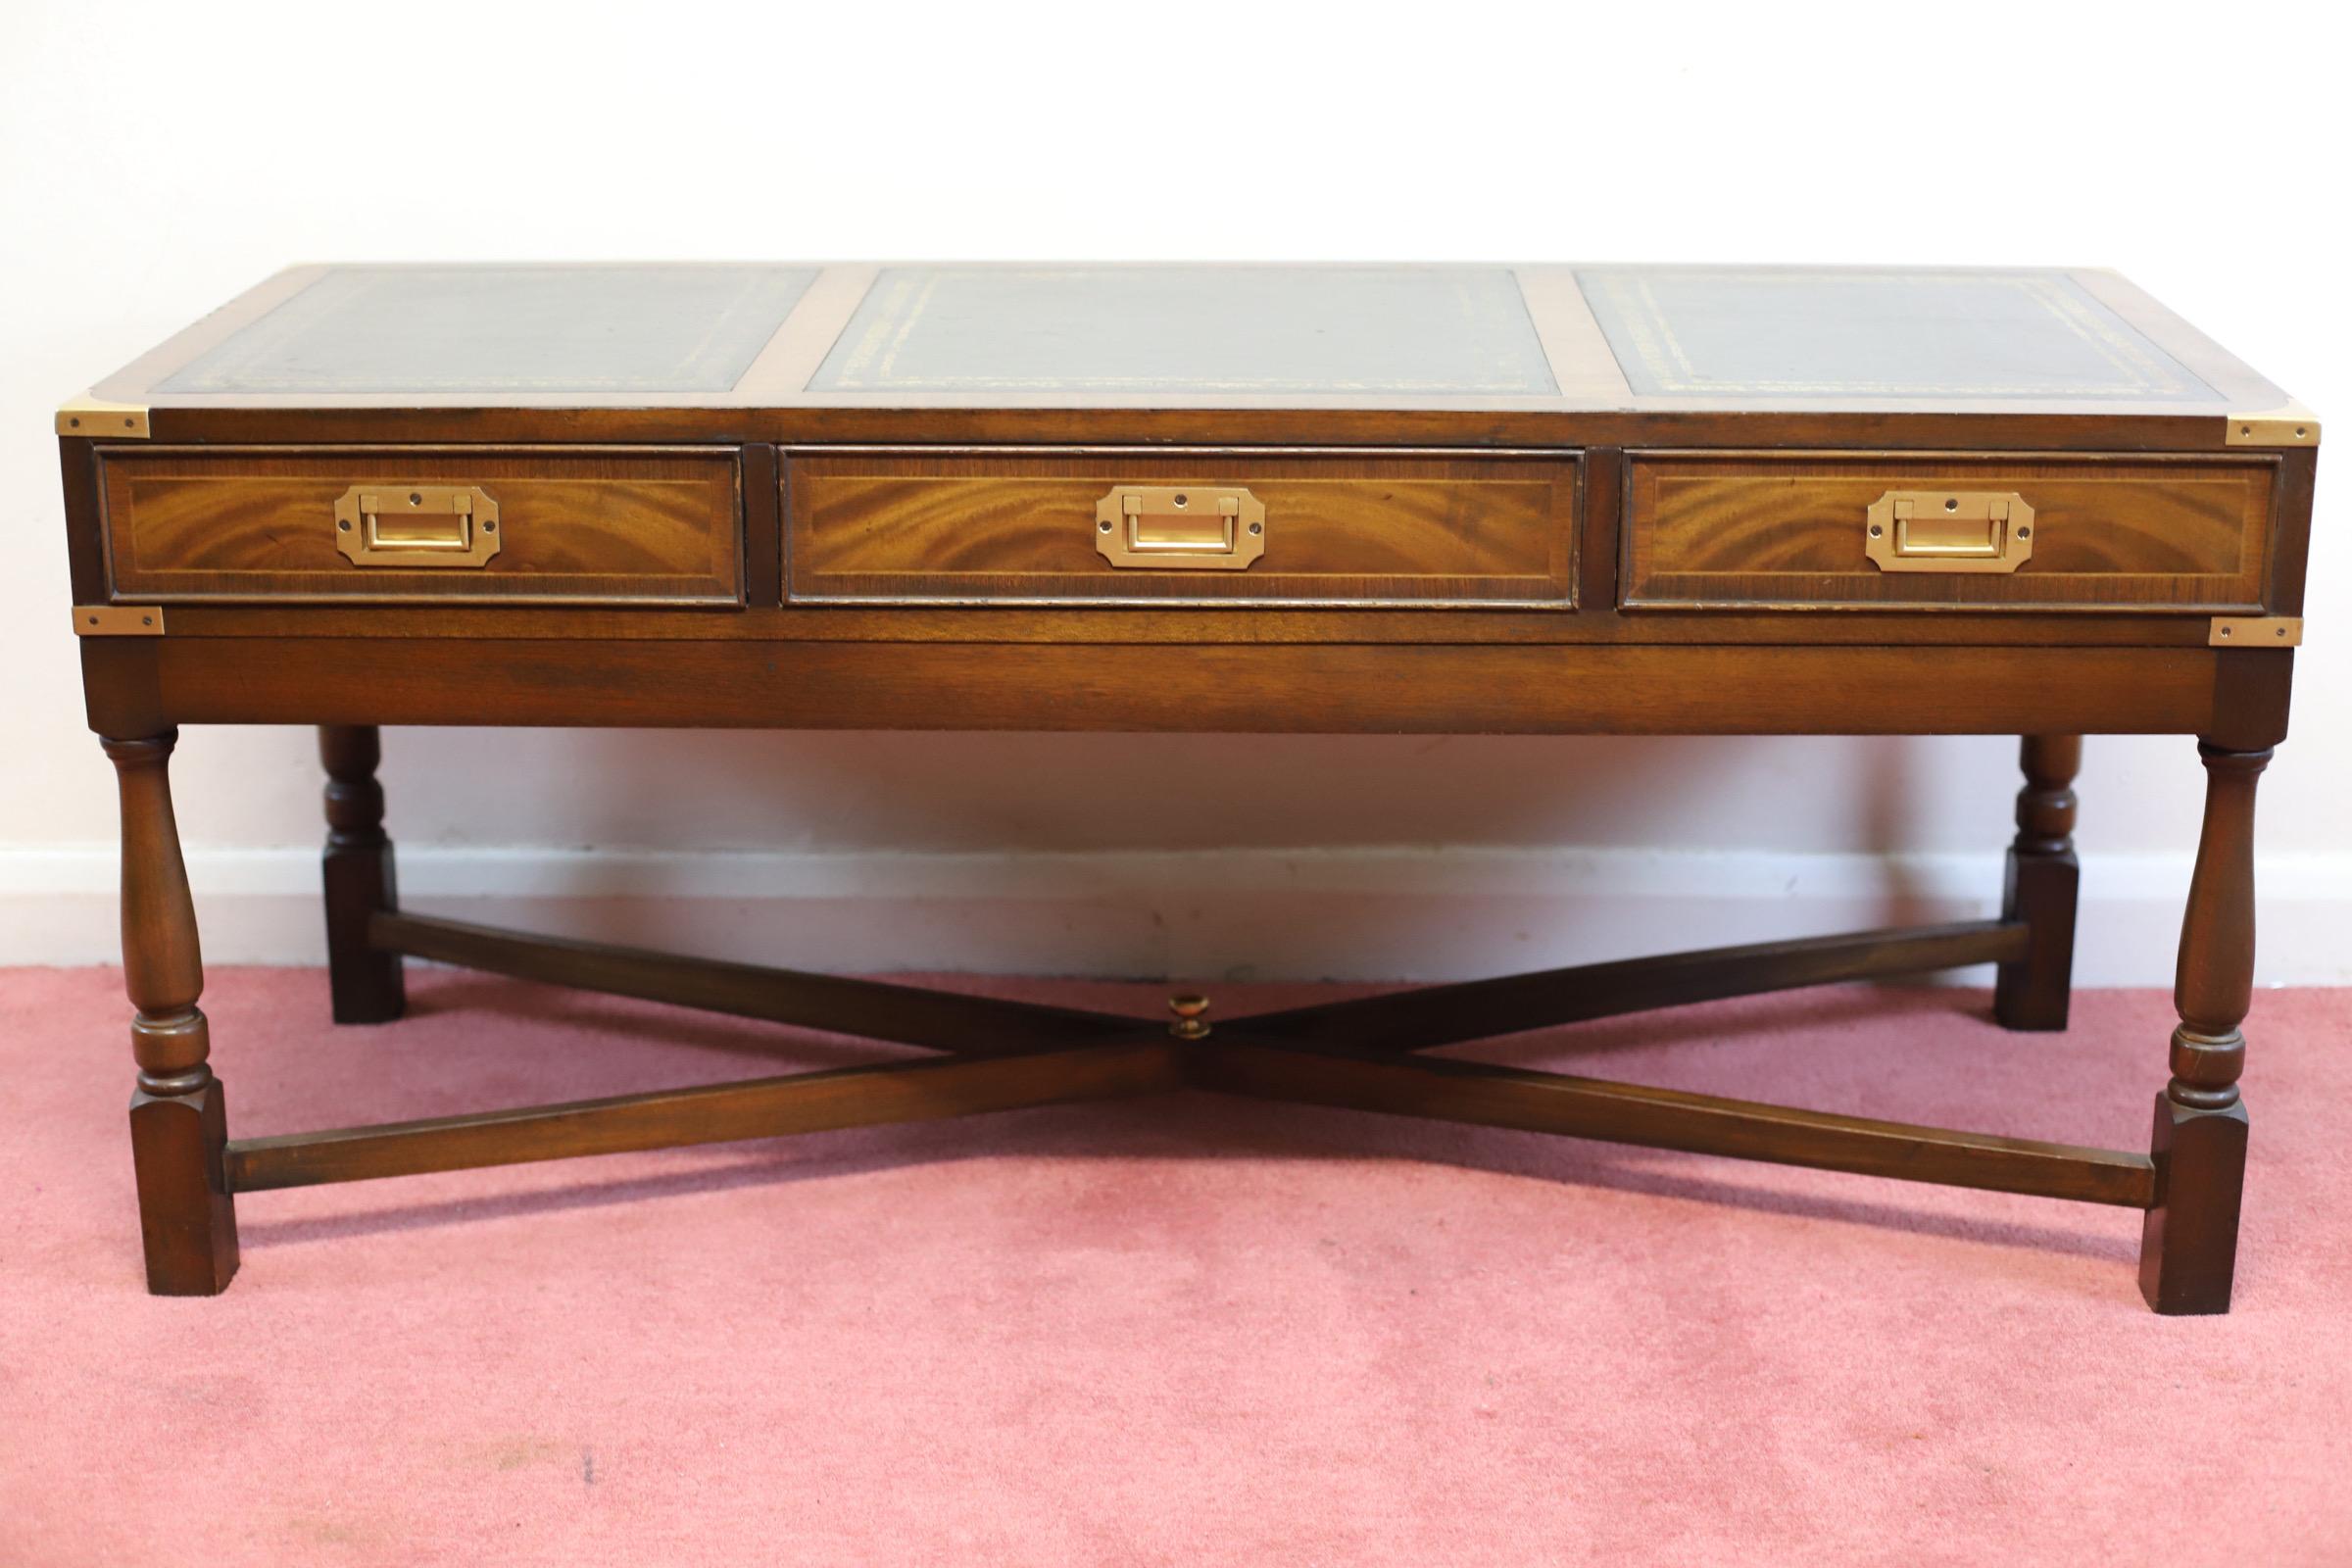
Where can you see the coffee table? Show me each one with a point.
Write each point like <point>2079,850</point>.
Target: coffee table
<point>1506,499</point>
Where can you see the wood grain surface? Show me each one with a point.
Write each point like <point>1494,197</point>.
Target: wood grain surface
<point>1787,530</point>
<point>1434,689</point>
<point>586,524</point>
<point>1362,528</point>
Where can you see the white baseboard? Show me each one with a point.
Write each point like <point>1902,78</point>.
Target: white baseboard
<point>1348,915</point>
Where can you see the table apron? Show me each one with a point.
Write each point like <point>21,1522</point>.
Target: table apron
<point>141,685</point>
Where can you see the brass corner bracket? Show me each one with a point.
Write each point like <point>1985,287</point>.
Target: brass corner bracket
<point>2290,426</point>
<point>2255,631</point>
<point>95,416</point>
<point>119,620</point>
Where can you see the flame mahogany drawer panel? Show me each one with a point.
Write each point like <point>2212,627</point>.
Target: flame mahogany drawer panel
<point>2124,532</point>
<point>578,524</point>
<point>896,525</point>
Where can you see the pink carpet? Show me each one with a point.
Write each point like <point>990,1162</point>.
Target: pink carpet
<point>1190,1330</point>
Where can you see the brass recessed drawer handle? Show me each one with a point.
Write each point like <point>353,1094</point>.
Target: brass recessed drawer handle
<point>1948,530</point>
<point>1187,528</point>
<point>411,526</point>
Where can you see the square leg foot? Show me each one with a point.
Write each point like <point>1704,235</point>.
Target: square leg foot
<point>2188,1241</point>
<point>2032,993</point>
<point>187,1218</point>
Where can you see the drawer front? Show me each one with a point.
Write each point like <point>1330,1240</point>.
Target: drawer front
<point>1754,530</point>
<point>579,525</point>
<point>1217,527</point>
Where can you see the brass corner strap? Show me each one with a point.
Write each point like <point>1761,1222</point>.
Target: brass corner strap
<point>2290,426</point>
<point>95,416</point>
<point>2255,631</point>
<point>119,620</point>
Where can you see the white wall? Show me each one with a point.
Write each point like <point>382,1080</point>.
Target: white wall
<point>154,159</point>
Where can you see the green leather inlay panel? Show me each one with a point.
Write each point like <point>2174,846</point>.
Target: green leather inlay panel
<point>1191,330</point>
<point>603,329</point>
<point>1767,332</point>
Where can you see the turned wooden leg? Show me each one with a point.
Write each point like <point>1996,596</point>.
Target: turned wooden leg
<point>2039,887</point>
<point>2188,1247</point>
<point>177,1124</point>
<point>357,869</point>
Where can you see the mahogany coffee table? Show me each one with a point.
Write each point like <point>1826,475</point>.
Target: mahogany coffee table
<point>1598,500</point>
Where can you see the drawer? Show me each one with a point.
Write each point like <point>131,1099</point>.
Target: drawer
<point>580,526</point>
<point>2116,533</point>
<point>1112,528</point>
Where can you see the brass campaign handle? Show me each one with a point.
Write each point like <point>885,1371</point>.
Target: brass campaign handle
<point>1190,528</point>
<point>413,525</point>
<point>1948,530</point>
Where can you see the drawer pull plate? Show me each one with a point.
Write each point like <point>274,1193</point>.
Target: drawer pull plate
<point>413,525</point>
<point>1180,528</point>
<point>1948,530</point>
